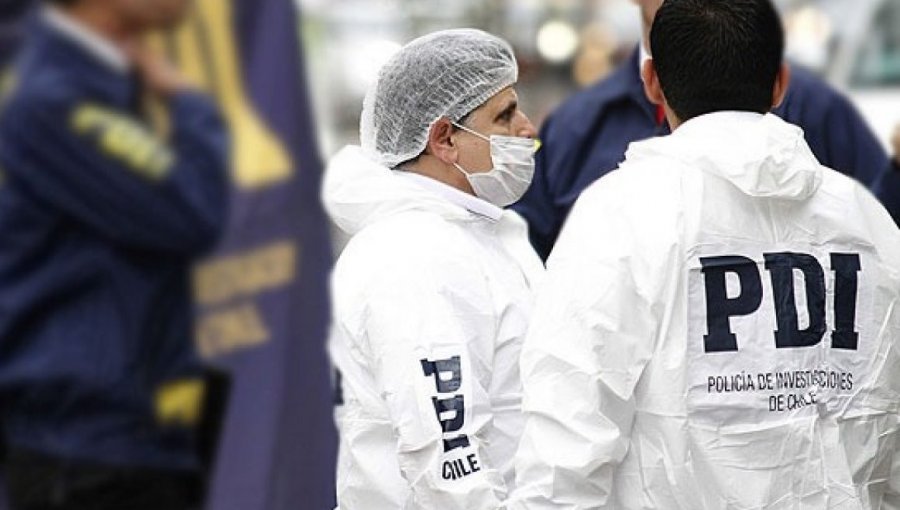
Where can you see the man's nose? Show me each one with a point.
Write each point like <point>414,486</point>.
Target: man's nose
<point>525,128</point>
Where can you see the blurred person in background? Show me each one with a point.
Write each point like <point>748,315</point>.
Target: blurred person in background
<point>895,142</point>
<point>888,187</point>
<point>433,293</point>
<point>719,325</point>
<point>100,388</point>
<point>586,137</point>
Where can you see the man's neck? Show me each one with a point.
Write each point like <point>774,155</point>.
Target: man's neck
<point>101,21</point>
<point>93,33</point>
<point>428,166</point>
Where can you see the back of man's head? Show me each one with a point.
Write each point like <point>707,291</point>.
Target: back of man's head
<point>717,55</point>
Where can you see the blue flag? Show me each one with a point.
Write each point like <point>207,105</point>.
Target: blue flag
<point>262,300</point>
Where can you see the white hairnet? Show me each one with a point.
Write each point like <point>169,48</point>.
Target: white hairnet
<point>443,74</point>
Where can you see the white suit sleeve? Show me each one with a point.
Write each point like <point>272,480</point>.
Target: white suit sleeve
<point>892,498</point>
<point>591,335</point>
<point>430,327</point>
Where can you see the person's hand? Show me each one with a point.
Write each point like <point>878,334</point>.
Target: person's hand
<point>159,75</point>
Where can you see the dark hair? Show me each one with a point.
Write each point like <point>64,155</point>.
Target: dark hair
<point>715,55</point>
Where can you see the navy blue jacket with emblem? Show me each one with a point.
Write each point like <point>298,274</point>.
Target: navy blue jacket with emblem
<point>99,222</point>
<point>587,136</point>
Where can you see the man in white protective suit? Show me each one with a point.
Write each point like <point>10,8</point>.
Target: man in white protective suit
<point>720,324</point>
<point>433,293</point>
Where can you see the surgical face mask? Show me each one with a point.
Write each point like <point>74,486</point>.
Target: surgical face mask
<point>512,158</point>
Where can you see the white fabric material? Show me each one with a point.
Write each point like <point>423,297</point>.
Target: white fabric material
<point>443,74</point>
<point>95,44</point>
<point>430,274</point>
<point>625,407</point>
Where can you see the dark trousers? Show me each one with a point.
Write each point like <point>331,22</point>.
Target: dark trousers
<point>39,482</point>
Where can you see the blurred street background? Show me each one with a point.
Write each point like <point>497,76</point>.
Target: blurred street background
<point>564,45</point>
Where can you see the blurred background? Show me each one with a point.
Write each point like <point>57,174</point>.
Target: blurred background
<point>563,45</point>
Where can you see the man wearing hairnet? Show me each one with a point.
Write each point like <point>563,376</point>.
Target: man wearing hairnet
<point>433,293</point>
<point>728,336</point>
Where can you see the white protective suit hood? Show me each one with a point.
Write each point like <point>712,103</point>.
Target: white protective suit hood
<point>762,155</point>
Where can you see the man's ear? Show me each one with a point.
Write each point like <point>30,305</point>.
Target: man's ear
<point>651,83</point>
<point>440,141</point>
<point>782,82</point>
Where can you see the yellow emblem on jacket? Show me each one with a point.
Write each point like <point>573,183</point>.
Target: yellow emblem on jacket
<point>180,402</point>
<point>125,139</point>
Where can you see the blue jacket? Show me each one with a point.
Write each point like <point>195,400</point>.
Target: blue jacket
<point>887,189</point>
<point>587,136</point>
<point>99,222</point>
<point>11,29</point>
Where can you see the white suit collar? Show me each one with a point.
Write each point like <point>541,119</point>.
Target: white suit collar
<point>468,202</point>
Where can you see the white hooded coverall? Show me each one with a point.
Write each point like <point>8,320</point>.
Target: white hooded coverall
<point>432,297</point>
<point>719,329</point>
